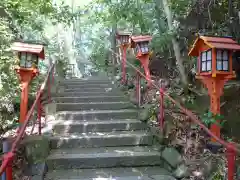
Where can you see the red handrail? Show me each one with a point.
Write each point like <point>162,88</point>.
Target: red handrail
<point>231,147</point>
<point>8,157</point>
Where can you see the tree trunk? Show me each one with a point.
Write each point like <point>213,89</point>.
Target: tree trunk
<point>158,14</point>
<point>175,43</point>
<point>230,16</point>
<point>114,49</point>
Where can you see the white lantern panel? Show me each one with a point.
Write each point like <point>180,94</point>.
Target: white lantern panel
<point>29,57</point>
<point>219,54</point>
<point>203,66</point>
<point>225,66</point>
<point>209,55</point>
<point>126,39</point>
<point>225,55</point>
<point>138,49</point>
<point>23,59</point>
<point>209,65</point>
<point>146,49</point>
<point>204,56</point>
<point>219,65</point>
<point>123,39</point>
<point>28,64</point>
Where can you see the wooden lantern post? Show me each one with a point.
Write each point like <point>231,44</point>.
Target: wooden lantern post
<point>141,45</point>
<point>27,69</point>
<point>123,38</point>
<point>214,68</point>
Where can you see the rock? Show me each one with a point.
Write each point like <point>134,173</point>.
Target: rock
<point>36,171</point>
<point>181,171</point>
<point>211,165</point>
<point>132,97</point>
<point>37,177</point>
<point>167,167</point>
<point>123,88</point>
<point>144,113</point>
<point>36,148</point>
<point>172,156</point>
<point>39,169</point>
<point>157,133</point>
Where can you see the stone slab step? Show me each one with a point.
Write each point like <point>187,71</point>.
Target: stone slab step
<point>97,115</point>
<point>89,93</point>
<point>132,173</point>
<point>83,82</point>
<point>91,89</point>
<point>98,126</point>
<point>100,139</point>
<point>91,99</point>
<point>104,157</point>
<point>87,85</point>
<point>93,106</point>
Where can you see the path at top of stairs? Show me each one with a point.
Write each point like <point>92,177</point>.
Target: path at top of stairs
<point>98,136</point>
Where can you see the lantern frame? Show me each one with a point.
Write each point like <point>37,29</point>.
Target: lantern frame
<point>123,37</point>
<point>28,54</point>
<point>29,58</point>
<point>139,43</point>
<point>143,47</point>
<point>206,61</point>
<point>214,78</point>
<point>220,59</point>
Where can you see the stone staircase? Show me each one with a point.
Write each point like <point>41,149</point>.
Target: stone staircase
<point>98,137</point>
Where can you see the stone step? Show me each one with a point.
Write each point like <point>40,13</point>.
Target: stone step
<point>97,115</point>
<point>93,106</point>
<point>90,99</point>
<point>100,139</point>
<point>90,89</point>
<point>132,173</point>
<point>98,126</point>
<point>89,93</point>
<point>104,157</point>
<point>87,85</point>
<point>85,82</point>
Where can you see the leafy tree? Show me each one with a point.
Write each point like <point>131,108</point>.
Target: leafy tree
<point>26,20</point>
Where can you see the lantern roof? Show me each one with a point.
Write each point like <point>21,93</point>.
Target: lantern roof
<point>213,42</point>
<point>136,39</point>
<point>29,47</point>
<point>123,33</point>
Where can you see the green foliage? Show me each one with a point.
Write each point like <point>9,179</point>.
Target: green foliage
<point>148,112</point>
<point>25,19</point>
<point>209,118</point>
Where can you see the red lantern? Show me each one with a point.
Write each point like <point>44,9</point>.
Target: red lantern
<point>142,52</point>
<point>123,38</point>
<point>28,55</point>
<point>214,68</point>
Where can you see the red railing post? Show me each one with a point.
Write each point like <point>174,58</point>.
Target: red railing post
<point>7,165</point>
<point>231,158</point>
<point>39,115</point>
<point>161,119</point>
<point>9,171</point>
